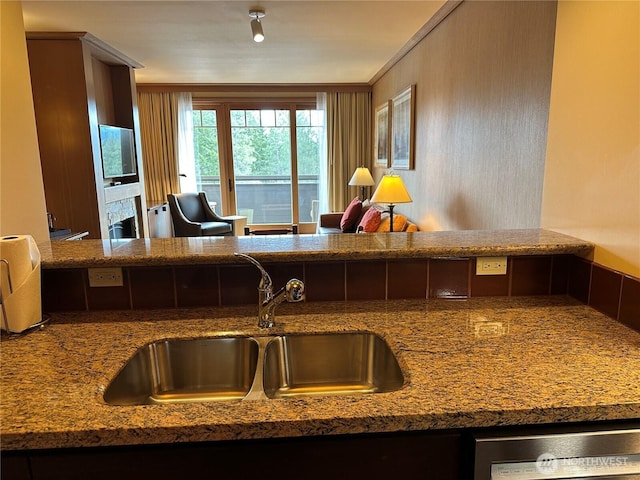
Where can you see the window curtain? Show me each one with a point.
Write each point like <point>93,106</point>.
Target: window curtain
<point>348,120</point>
<point>323,177</point>
<point>186,154</point>
<point>158,112</point>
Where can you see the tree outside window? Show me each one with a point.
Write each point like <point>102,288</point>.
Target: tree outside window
<point>262,161</point>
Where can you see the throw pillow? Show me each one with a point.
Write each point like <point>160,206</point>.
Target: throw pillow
<point>399,222</point>
<point>351,215</point>
<point>370,221</point>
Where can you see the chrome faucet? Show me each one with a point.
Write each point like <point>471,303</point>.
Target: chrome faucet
<point>293,291</point>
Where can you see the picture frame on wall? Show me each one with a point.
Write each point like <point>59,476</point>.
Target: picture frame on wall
<point>382,131</point>
<point>403,129</point>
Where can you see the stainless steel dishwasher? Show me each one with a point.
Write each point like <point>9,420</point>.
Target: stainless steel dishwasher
<point>598,453</point>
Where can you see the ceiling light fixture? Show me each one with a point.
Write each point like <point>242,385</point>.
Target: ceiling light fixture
<point>256,25</point>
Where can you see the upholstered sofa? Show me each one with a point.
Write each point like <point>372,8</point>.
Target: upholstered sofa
<point>363,217</point>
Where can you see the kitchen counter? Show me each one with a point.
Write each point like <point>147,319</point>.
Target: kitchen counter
<point>292,248</point>
<point>474,363</point>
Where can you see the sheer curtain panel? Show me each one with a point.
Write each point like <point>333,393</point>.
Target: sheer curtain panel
<point>186,155</point>
<point>323,176</point>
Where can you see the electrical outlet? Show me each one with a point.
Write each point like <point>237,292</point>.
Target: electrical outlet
<point>491,266</point>
<point>105,277</point>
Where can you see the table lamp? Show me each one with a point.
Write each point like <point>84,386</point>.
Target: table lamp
<point>391,190</point>
<point>362,178</point>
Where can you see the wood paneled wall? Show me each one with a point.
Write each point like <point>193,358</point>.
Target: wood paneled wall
<point>482,79</point>
<point>79,82</point>
<point>65,112</point>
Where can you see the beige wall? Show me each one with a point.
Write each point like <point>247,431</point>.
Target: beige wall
<point>22,203</point>
<point>483,80</point>
<point>592,176</point>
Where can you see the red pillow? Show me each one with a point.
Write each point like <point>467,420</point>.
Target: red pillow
<point>370,221</point>
<point>351,215</point>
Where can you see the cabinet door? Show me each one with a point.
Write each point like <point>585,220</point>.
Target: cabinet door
<point>14,467</point>
<point>380,456</point>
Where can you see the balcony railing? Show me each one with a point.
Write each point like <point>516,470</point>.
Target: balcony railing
<point>265,199</point>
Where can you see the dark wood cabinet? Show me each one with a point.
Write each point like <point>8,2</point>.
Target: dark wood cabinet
<point>429,454</point>
<point>379,456</point>
<point>78,83</point>
<point>14,466</point>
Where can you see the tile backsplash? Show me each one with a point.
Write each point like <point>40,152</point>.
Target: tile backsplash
<point>613,293</point>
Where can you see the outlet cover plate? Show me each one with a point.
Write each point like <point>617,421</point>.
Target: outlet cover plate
<point>491,266</point>
<point>105,277</point>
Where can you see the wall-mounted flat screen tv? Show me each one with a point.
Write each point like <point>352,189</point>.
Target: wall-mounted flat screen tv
<point>118,151</point>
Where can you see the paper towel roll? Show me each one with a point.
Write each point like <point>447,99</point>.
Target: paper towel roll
<point>21,304</point>
<point>16,250</point>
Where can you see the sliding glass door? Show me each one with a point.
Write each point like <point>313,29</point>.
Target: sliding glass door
<point>309,140</point>
<point>260,160</point>
<point>207,156</point>
<point>261,146</point>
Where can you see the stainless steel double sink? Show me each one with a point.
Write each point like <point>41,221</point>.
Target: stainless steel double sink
<point>253,368</point>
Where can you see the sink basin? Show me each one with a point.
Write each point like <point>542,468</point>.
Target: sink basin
<point>181,370</point>
<point>329,364</point>
<point>255,368</point>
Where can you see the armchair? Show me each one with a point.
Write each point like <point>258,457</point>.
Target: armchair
<point>193,217</point>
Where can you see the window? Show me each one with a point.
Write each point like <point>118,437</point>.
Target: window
<point>267,157</point>
<point>206,154</point>
<point>261,146</point>
<point>309,135</point>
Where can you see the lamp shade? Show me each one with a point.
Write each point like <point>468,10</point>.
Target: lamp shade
<point>362,178</point>
<point>391,190</point>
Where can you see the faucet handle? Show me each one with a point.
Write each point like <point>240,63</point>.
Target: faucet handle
<point>294,290</point>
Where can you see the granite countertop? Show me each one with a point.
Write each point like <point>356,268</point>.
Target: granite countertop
<point>473,363</point>
<point>345,246</point>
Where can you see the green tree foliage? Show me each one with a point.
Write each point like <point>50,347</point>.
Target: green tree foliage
<point>261,151</point>
<point>257,150</point>
<point>308,139</point>
<point>206,151</point>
